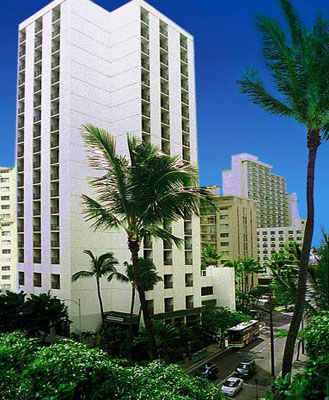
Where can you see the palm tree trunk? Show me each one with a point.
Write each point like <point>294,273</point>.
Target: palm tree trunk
<point>131,315</point>
<point>313,142</point>
<point>134,248</point>
<point>100,299</point>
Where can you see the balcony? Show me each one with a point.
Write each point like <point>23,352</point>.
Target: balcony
<point>36,164</point>
<point>55,63</point>
<point>37,72</point>
<point>38,27</point>
<point>20,124</point>
<point>54,143</point>
<point>164,74</point>
<point>145,49</point>
<point>37,87</point>
<point>37,244</point>
<point>36,180</point>
<point>188,231</point>
<point>55,47</point>
<point>54,210</point>
<point>146,95</point>
<point>54,177</point>
<point>54,193</point>
<point>164,104</point>
<point>54,159</point>
<point>22,37</point>
<point>54,78</point>
<point>36,260</point>
<point>185,114</point>
<point>37,43</point>
<point>188,246</point>
<point>54,243</point>
<point>145,81</point>
<point>183,43</point>
<point>36,148</point>
<point>167,261</point>
<point>144,18</point>
<point>185,128</point>
<point>54,227</point>
<point>165,120</point>
<point>164,45</point>
<point>163,31</point>
<point>21,81</point>
<point>184,58</point>
<point>37,57</point>
<point>20,168</point>
<point>20,228</point>
<point>21,66</point>
<point>55,110</point>
<point>145,64</point>
<point>21,95</point>
<point>20,213</point>
<point>186,143</point>
<point>165,135</point>
<point>145,33</point>
<point>164,59</point>
<point>146,112</point>
<point>37,196</point>
<point>55,260</point>
<point>188,261</point>
<point>20,153</point>
<point>20,183</point>
<point>20,138</point>
<point>56,31</point>
<point>185,100</point>
<point>55,94</point>
<point>20,199</point>
<point>21,52</point>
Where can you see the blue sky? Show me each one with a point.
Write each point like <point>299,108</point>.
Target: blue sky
<point>225,42</point>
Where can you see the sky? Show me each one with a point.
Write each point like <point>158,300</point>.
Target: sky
<point>225,43</point>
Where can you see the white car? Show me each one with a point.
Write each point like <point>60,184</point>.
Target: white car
<point>232,386</point>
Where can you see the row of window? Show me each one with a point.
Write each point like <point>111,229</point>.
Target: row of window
<point>37,280</point>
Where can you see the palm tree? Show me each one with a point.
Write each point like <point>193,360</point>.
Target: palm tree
<point>100,266</point>
<point>209,256</point>
<point>299,65</point>
<point>139,194</point>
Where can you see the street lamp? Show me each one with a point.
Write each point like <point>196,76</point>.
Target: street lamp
<point>78,303</point>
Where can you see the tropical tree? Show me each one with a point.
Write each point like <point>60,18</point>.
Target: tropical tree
<point>209,256</point>
<point>100,266</point>
<point>139,194</point>
<point>299,65</point>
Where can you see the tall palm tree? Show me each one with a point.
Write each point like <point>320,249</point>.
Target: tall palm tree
<point>299,65</point>
<point>139,194</point>
<point>100,266</point>
<point>209,256</point>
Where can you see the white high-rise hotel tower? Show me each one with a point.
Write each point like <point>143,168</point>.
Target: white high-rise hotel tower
<point>129,70</point>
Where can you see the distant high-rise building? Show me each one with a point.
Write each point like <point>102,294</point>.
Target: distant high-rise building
<point>8,229</point>
<point>129,70</point>
<point>231,229</point>
<point>254,180</point>
<point>278,220</point>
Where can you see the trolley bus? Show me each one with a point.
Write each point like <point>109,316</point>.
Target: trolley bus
<point>243,333</point>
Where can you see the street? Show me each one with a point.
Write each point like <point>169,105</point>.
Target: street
<point>259,351</point>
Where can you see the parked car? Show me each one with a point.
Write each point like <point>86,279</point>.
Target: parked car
<point>258,314</point>
<point>232,386</point>
<point>246,369</point>
<point>209,371</point>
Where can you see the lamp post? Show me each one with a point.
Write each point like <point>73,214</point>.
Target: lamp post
<point>272,337</point>
<point>78,303</point>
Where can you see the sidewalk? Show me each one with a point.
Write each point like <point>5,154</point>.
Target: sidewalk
<point>212,351</point>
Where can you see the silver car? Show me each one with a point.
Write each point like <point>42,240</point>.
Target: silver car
<point>232,386</point>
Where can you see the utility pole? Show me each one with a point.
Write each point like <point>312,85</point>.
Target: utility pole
<point>272,338</point>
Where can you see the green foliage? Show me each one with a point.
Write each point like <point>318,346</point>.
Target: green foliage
<point>209,256</point>
<point>36,313</point>
<point>43,312</point>
<point>71,371</point>
<point>148,276</point>
<point>11,306</point>
<point>317,335</point>
<point>218,320</point>
<point>313,383</point>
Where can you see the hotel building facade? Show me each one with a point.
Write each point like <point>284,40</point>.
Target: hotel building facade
<point>128,70</point>
<point>8,229</point>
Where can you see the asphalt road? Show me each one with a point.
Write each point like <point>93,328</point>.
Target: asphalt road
<point>260,351</point>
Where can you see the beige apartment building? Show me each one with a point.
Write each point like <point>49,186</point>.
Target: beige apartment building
<point>232,229</point>
<point>8,229</point>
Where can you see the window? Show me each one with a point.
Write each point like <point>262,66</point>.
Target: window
<point>150,306</point>
<point>4,198</point>
<point>21,278</point>
<point>5,277</point>
<point>55,281</point>
<point>6,251</point>
<point>169,304</point>
<point>5,268</point>
<point>5,233</point>
<point>188,280</point>
<point>224,235</point>
<point>224,226</point>
<point>189,302</point>
<point>5,207</point>
<point>37,279</point>
<point>223,208</point>
<point>168,281</point>
<point>223,216</point>
<point>224,244</point>
<point>4,180</point>
<point>6,242</point>
<point>207,290</point>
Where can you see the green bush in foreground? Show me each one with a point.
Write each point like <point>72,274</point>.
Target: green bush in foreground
<point>70,371</point>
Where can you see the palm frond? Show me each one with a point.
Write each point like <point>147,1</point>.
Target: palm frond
<point>101,217</point>
<point>252,85</point>
<point>294,22</point>
<point>82,274</point>
<point>163,234</point>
